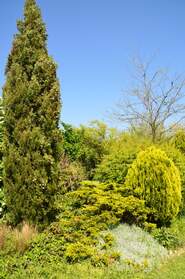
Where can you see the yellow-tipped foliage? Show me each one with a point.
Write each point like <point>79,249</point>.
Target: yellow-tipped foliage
<point>154,178</point>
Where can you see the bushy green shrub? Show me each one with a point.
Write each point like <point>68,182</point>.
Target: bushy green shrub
<point>178,140</point>
<point>114,166</point>
<point>171,237</point>
<point>98,199</point>
<point>94,207</point>
<point>179,160</point>
<point>166,238</point>
<point>71,141</point>
<point>80,231</point>
<point>85,213</point>
<point>72,173</point>
<point>87,144</point>
<point>153,177</point>
<point>123,151</point>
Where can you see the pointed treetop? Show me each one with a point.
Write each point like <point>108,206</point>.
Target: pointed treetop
<point>32,12</point>
<point>29,3</point>
<point>32,31</point>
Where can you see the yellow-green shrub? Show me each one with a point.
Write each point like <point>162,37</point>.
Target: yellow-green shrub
<point>179,160</point>
<point>153,177</point>
<point>178,140</point>
<point>89,210</point>
<point>102,200</point>
<point>114,165</point>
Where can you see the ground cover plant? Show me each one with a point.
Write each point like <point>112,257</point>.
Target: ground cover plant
<point>137,248</point>
<point>42,265</point>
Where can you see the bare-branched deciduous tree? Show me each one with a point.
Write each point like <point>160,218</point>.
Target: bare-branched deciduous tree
<point>156,102</point>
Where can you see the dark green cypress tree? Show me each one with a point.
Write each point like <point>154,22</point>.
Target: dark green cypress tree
<point>1,141</point>
<point>2,200</point>
<point>31,137</point>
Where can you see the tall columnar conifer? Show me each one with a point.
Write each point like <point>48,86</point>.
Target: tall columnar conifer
<point>1,141</point>
<point>32,109</point>
<point>2,202</point>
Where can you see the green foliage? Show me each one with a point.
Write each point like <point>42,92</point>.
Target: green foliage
<point>172,237</point>
<point>76,236</point>
<point>153,177</point>
<point>44,257</point>
<point>100,200</point>
<point>2,198</point>
<point>17,268</point>
<point>176,151</point>
<point>179,160</point>
<point>77,252</point>
<point>71,141</point>
<point>94,144</point>
<point>166,238</point>
<point>87,144</point>
<point>32,107</point>
<point>72,173</point>
<point>178,140</point>
<point>122,152</point>
<point>85,213</point>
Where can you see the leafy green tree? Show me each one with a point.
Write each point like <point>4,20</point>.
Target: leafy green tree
<point>71,141</point>
<point>87,144</point>
<point>153,177</point>
<point>32,110</point>
<point>93,145</point>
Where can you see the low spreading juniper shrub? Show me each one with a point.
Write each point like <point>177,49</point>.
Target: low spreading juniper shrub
<point>82,230</point>
<point>79,233</point>
<point>95,207</point>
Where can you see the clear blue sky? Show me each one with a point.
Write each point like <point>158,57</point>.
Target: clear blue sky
<point>93,41</point>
